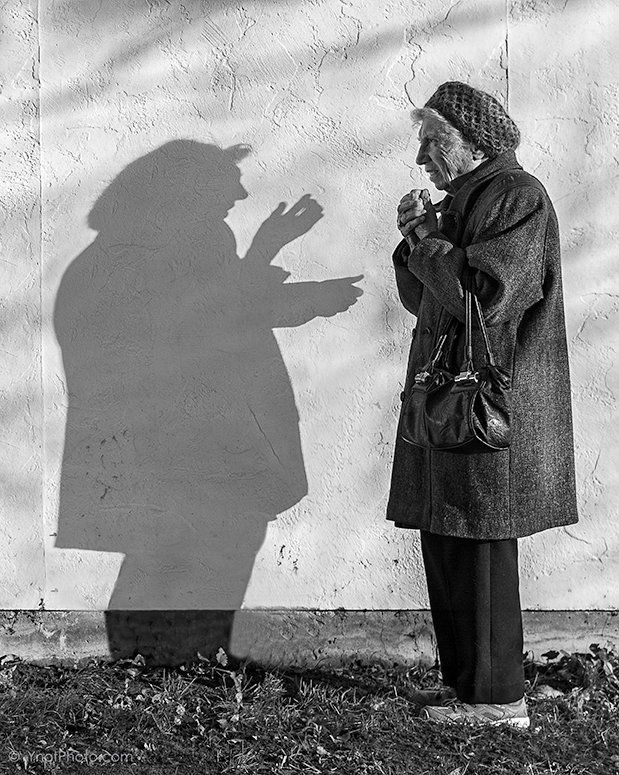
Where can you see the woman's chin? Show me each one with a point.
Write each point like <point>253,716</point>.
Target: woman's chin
<point>438,181</point>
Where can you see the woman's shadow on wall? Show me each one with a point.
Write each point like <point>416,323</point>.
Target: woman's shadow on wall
<point>182,435</point>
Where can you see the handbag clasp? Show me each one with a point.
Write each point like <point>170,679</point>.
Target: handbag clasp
<point>422,376</point>
<point>467,376</point>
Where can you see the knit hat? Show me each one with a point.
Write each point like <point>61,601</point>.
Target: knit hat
<point>480,118</point>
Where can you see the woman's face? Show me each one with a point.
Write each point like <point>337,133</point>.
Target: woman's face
<point>444,156</point>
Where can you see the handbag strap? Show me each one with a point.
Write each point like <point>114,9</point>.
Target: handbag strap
<point>467,370</point>
<point>482,325</point>
<point>436,354</point>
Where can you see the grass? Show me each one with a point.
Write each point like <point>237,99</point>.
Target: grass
<point>223,716</point>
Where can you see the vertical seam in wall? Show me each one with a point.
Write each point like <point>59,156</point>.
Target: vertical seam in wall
<point>507,55</point>
<point>42,393</point>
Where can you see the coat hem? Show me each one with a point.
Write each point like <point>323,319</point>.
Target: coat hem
<point>516,534</point>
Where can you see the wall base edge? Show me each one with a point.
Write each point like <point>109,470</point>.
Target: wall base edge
<point>272,637</point>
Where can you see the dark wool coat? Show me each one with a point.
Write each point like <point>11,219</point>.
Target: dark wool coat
<point>510,238</point>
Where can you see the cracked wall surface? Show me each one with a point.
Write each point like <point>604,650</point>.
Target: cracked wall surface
<point>196,412</point>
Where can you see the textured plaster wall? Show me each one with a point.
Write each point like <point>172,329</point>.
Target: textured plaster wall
<point>196,412</point>
<point>21,418</point>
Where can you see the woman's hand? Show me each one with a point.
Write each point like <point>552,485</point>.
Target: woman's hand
<point>416,214</point>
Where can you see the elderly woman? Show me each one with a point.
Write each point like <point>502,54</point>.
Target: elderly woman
<point>497,223</point>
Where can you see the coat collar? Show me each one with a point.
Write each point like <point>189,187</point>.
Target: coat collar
<point>466,184</point>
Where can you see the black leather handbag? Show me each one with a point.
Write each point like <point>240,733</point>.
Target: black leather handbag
<point>466,412</point>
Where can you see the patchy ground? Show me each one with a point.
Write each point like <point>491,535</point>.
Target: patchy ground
<point>216,717</point>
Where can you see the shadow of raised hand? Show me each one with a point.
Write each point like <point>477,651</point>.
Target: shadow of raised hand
<point>287,304</point>
<point>282,227</point>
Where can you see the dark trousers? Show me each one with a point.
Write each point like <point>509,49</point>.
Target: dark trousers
<point>475,604</point>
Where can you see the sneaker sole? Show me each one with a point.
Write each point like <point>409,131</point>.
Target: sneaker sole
<point>518,722</point>
<point>521,723</point>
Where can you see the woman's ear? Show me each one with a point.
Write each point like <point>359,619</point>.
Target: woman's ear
<point>478,153</point>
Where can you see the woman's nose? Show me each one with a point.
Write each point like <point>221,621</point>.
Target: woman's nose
<point>422,156</point>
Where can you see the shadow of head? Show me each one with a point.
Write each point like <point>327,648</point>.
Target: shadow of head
<point>179,181</point>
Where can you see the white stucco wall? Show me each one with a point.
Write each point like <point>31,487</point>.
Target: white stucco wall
<point>21,418</point>
<point>186,430</point>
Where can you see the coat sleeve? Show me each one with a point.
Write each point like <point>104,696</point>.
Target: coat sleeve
<point>506,256</point>
<point>409,286</point>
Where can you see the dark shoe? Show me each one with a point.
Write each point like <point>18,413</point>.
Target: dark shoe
<point>433,696</point>
<point>512,713</point>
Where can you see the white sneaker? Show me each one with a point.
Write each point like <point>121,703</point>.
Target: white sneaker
<point>513,713</point>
